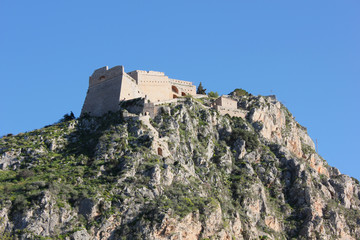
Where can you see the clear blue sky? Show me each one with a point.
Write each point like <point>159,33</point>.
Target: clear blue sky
<point>306,52</point>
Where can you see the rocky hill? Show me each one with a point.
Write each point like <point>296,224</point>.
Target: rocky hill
<point>189,173</point>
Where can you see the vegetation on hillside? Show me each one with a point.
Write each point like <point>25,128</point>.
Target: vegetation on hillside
<point>104,171</point>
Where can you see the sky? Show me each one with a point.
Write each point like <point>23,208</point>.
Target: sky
<point>305,52</point>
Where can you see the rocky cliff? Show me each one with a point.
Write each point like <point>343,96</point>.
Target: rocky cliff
<point>189,173</point>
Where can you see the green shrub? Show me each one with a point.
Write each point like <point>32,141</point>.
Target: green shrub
<point>240,92</point>
<point>67,117</point>
<point>25,173</point>
<point>6,236</point>
<point>355,180</point>
<point>213,94</point>
<point>20,203</point>
<point>181,199</point>
<point>307,149</point>
<point>251,140</point>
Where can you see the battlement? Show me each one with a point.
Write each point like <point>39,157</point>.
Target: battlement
<point>176,81</point>
<point>154,73</point>
<point>104,73</point>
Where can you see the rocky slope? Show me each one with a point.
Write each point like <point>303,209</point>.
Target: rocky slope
<point>189,173</point>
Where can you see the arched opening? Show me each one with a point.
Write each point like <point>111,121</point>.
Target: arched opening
<point>183,94</point>
<point>175,89</point>
<point>102,77</point>
<point>159,152</point>
<point>174,96</point>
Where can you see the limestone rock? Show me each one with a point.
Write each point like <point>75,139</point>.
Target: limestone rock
<point>214,177</point>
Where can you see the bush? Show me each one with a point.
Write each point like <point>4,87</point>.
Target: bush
<point>240,92</point>
<point>20,203</point>
<point>181,200</point>
<point>355,180</point>
<point>251,140</point>
<point>67,117</point>
<point>213,94</point>
<point>6,236</point>
<point>307,149</point>
<point>25,173</point>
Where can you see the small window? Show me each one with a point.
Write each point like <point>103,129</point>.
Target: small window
<point>160,152</point>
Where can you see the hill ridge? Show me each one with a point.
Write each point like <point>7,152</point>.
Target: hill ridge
<point>216,176</point>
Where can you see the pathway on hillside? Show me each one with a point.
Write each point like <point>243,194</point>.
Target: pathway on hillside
<point>159,144</point>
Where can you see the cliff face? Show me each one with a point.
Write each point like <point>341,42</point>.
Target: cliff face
<point>189,173</point>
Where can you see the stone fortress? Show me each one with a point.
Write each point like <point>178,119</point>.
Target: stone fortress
<point>142,94</point>
<point>111,89</point>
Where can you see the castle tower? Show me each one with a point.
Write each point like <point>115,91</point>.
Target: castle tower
<point>107,87</point>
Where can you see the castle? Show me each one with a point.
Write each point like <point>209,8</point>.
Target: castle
<point>108,88</point>
<point>142,92</point>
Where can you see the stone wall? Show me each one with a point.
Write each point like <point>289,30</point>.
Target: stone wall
<point>226,102</point>
<point>231,112</point>
<point>155,85</point>
<point>107,87</point>
<point>185,88</point>
<point>129,89</point>
<point>159,87</point>
<point>102,74</point>
<point>103,97</point>
<point>226,105</point>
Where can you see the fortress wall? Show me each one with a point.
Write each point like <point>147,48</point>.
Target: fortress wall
<point>191,90</point>
<point>155,85</point>
<point>226,102</point>
<point>129,88</point>
<point>133,74</point>
<point>142,72</point>
<point>231,112</point>
<point>156,92</point>
<point>147,76</point>
<point>103,97</point>
<point>181,82</point>
<point>153,73</point>
<point>229,103</point>
<point>103,74</point>
<point>184,86</point>
<point>150,79</point>
<point>151,109</point>
<point>95,77</point>
<point>218,102</point>
<point>158,87</point>
<point>225,105</point>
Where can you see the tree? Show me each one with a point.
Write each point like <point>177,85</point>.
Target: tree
<point>240,92</point>
<point>201,89</point>
<point>68,117</point>
<point>213,94</point>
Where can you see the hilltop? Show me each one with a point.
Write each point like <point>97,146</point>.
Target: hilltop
<point>186,173</point>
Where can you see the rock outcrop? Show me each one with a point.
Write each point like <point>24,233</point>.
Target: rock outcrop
<point>189,173</point>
